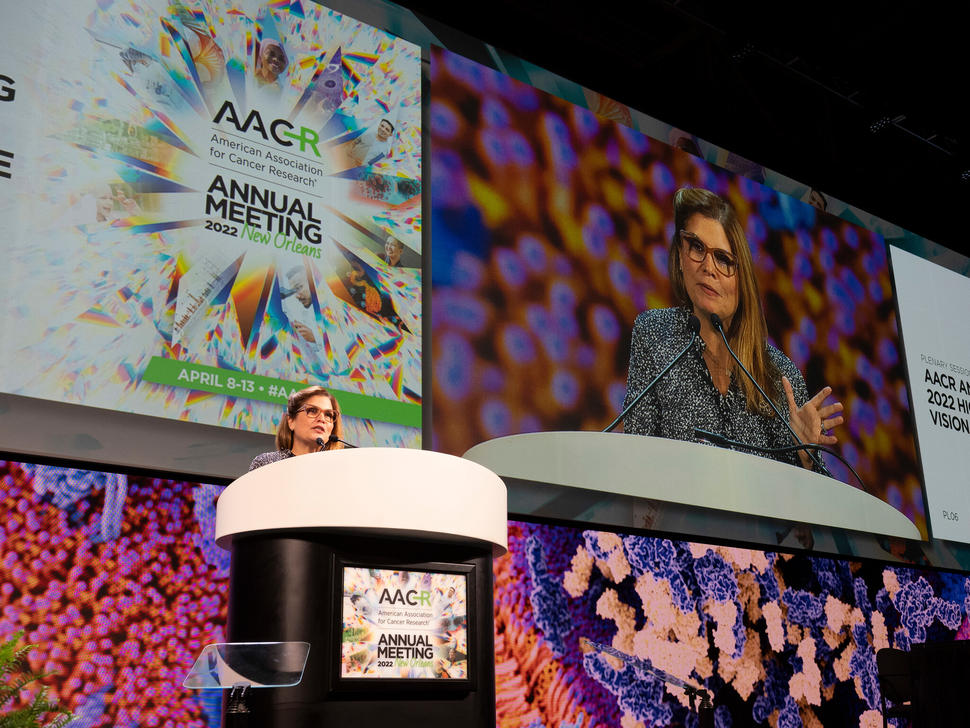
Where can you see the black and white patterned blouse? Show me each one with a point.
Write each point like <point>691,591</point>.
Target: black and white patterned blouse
<point>268,458</point>
<point>687,398</point>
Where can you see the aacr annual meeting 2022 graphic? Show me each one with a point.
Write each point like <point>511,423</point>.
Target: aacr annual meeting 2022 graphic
<point>244,179</point>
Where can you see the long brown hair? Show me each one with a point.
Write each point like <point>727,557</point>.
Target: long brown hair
<point>284,435</point>
<point>748,332</point>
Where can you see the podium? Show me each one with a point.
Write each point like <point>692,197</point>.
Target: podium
<point>689,474</point>
<point>380,559</point>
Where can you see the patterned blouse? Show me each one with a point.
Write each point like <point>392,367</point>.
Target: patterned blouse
<point>268,458</point>
<point>687,398</point>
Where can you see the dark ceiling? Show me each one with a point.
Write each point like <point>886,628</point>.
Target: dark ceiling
<point>796,87</point>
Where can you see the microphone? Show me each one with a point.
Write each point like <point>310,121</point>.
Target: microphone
<point>807,447</point>
<point>333,438</point>
<point>694,324</point>
<point>719,327</point>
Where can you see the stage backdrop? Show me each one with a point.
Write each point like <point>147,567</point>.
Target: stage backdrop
<point>118,581</point>
<point>204,196</point>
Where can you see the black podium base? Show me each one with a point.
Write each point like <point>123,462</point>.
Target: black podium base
<point>284,587</point>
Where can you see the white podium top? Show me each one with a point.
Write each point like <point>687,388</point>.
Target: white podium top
<point>373,490</point>
<point>690,474</point>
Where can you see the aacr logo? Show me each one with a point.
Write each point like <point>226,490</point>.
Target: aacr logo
<point>412,597</point>
<point>278,128</point>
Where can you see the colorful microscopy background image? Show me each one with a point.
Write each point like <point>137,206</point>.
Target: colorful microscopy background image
<point>551,229</point>
<point>119,583</point>
<point>778,639</point>
<point>215,185</point>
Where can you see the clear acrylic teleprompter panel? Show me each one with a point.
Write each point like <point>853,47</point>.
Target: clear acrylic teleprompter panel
<point>226,665</point>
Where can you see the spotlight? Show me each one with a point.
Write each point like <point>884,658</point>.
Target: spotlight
<point>879,124</point>
<point>745,51</point>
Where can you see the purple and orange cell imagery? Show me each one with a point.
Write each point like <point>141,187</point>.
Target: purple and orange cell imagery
<point>118,582</point>
<point>777,639</point>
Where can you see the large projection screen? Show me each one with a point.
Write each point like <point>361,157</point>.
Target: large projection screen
<point>552,226</point>
<point>212,204</point>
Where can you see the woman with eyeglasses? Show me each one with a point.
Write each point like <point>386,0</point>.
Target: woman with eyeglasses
<point>311,414</point>
<point>711,272</point>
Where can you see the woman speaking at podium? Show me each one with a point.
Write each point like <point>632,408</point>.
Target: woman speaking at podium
<point>311,414</point>
<point>711,272</point>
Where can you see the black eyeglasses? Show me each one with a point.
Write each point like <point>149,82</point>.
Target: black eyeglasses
<point>697,251</point>
<point>314,413</point>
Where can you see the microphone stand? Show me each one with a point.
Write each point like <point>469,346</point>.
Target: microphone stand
<point>705,713</point>
<point>716,323</point>
<point>694,324</point>
<point>333,438</point>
